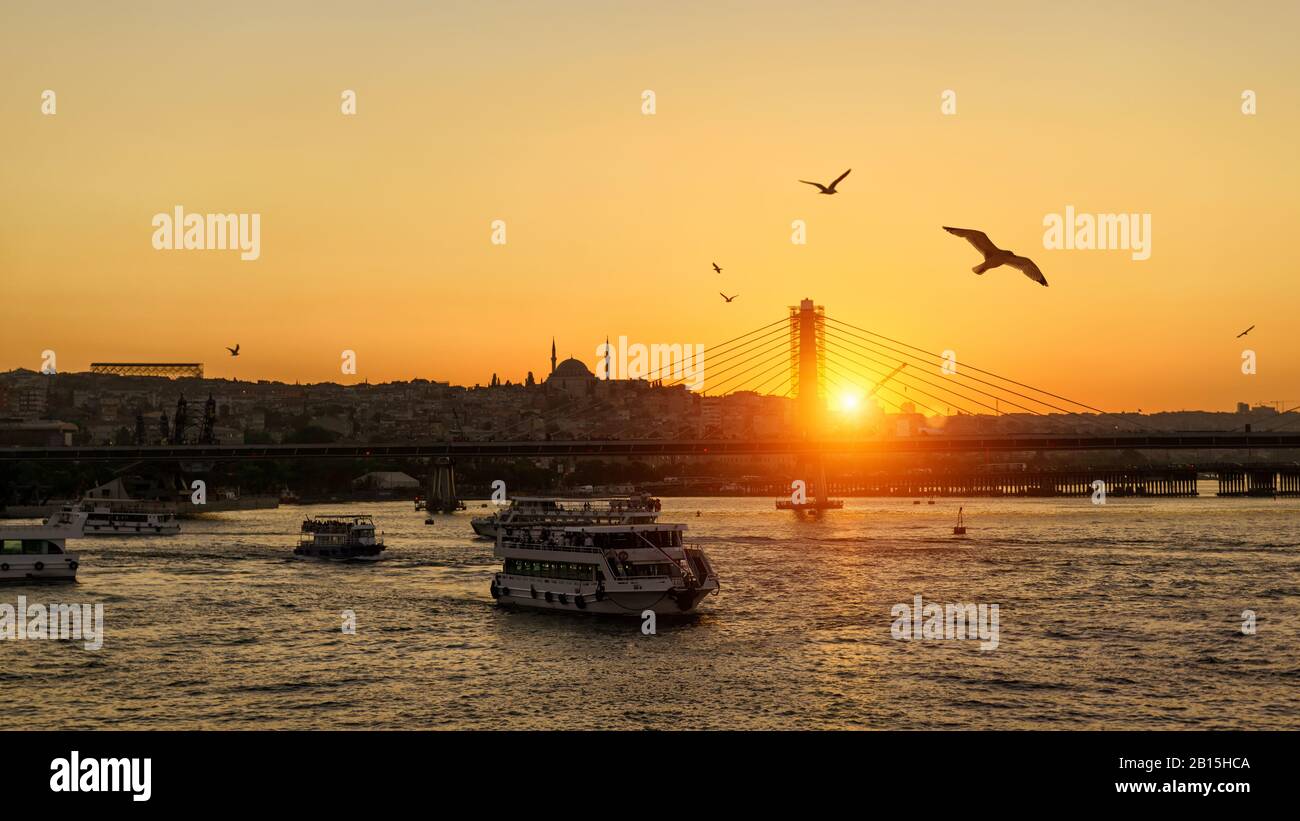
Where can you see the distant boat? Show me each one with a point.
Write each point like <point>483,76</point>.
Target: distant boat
<point>814,506</point>
<point>554,511</point>
<point>340,537</point>
<point>116,518</point>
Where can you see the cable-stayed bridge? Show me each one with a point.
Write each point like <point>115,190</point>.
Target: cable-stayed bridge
<point>805,356</point>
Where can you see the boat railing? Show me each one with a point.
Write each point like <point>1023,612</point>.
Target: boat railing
<point>673,575</point>
<point>561,516</point>
<point>526,545</point>
<point>348,536</point>
<point>134,506</point>
<point>575,506</point>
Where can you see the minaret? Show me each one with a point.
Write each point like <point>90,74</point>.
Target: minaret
<point>552,354</point>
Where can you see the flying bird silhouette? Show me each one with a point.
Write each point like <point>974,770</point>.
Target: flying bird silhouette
<point>727,298</point>
<point>233,351</point>
<point>827,189</point>
<point>1248,330</point>
<point>995,256</point>
<point>716,268</point>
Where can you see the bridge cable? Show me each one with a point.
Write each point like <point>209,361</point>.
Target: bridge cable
<point>902,396</point>
<point>722,347</point>
<point>973,368</point>
<point>780,358</point>
<point>830,375</point>
<point>902,379</point>
<point>1099,411</point>
<point>591,403</point>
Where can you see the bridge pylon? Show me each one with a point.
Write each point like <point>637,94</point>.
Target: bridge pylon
<point>807,379</point>
<point>808,365</point>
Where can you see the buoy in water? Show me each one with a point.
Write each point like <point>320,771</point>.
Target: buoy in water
<point>960,529</point>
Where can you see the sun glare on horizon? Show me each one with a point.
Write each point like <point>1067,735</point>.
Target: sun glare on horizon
<point>849,402</point>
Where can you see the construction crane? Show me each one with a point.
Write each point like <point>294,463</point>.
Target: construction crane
<point>888,377</point>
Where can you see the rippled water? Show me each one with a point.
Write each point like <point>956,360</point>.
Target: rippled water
<point>1122,616</point>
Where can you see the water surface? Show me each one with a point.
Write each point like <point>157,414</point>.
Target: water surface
<point>1120,616</point>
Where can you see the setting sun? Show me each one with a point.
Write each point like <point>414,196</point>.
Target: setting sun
<point>849,402</point>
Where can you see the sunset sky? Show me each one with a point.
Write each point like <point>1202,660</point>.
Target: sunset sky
<point>375,228</point>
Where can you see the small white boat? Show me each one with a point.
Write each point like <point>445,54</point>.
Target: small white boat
<point>120,519</point>
<point>340,537</point>
<point>613,569</point>
<point>527,511</point>
<point>37,553</point>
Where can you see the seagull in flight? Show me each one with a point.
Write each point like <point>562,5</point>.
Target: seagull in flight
<point>827,189</point>
<point>716,268</point>
<point>995,256</point>
<point>1248,330</point>
<point>233,351</point>
<point>727,298</point>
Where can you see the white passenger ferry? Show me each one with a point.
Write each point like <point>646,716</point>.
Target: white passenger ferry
<point>121,519</point>
<point>620,569</point>
<point>552,511</point>
<point>37,553</point>
<point>340,537</point>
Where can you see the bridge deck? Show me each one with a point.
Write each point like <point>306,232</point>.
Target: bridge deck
<point>663,447</point>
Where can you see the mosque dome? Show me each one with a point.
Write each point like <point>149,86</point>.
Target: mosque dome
<point>572,369</point>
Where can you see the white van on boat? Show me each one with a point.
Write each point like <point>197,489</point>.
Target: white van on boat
<point>37,553</point>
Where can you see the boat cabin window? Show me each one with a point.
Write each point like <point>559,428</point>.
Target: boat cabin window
<point>622,569</point>
<point>623,540</point>
<point>551,570</point>
<point>645,538</point>
<point>647,569</point>
<point>31,547</point>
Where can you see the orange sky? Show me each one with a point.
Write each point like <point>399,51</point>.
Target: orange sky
<point>375,228</point>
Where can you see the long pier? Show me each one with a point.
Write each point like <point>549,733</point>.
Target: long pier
<point>1141,481</point>
<point>1076,482</point>
<point>1259,481</point>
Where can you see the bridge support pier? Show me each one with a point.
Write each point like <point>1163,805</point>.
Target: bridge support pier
<point>1256,483</point>
<point>1262,483</point>
<point>442,487</point>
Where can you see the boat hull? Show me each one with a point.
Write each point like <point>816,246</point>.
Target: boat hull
<point>337,555</point>
<point>484,528</point>
<point>17,569</point>
<point>531,593</point>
